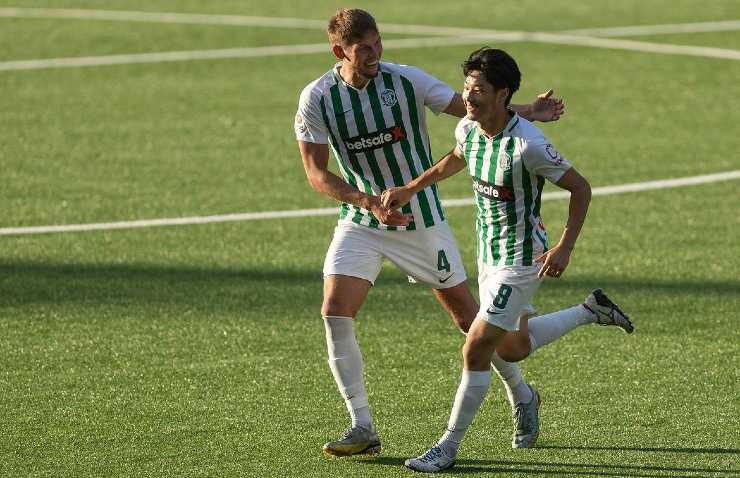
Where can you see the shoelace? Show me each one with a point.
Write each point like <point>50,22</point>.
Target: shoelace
<point>522,419</point>
<point>347,433</point>
<point>432,454</point>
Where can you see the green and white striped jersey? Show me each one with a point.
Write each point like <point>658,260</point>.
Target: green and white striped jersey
<point>508,172</point>
<point>378,134</point>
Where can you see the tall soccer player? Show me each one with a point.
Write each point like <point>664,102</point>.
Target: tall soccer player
<point>508,159</point>
<point>372,116</point>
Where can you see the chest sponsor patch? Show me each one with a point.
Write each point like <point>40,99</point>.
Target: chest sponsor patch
<point>378,139</point>
<point>492,191</point>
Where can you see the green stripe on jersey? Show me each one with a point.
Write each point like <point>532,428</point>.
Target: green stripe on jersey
<point>482,222</point>
<point>390,155</point>
<point>426,212</point>
<point>336,100</point>
<point>348,176</point>
<point>362,129</point>
<point>421,151</point>
<point>510,205</point>
<point>493,204</point>
<point>528,245</point>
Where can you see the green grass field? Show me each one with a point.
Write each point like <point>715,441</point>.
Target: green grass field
<point>199,350</point>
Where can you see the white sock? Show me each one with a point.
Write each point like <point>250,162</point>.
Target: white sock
<point>544,329</point>
<point>468,399</point>
<point>510,374</point>
<point>345,362</point>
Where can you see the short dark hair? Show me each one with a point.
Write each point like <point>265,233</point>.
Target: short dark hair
<point>349,25</point>
<point>497,67</point>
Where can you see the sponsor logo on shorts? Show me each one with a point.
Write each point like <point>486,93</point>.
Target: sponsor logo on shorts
<point>442,281</point>
<point>492,191</point>
<point>378,139</point>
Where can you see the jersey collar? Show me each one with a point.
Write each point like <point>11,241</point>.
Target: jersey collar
<point>340,81</point>
<point>507,129</point>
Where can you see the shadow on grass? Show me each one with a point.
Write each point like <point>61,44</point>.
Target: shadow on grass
<point>657,286</point>
<point>577,469</point>
<point>730,451</point>
<point>39,283</point>
<point>28,283</point>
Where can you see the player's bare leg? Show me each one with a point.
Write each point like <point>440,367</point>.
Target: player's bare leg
<point>343,297</point>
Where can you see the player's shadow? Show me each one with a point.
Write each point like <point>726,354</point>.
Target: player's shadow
<point>549,468</point>
<point>31,283</point>
<point>657,286</point>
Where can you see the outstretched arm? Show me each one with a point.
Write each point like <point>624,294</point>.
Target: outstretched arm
<point>315,162</point>
<point>556,259</point>
<point>453,162</point>
<point>544,108</point>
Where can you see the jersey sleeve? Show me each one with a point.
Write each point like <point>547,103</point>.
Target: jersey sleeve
<point>436,94</point>
<point>309,124</point>
<point>461,133</point>
<point>541,158</point>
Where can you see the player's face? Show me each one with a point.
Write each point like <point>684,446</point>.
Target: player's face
<point>482,100</point>
<point>364,56</point>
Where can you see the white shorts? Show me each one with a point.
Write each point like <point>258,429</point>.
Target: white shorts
<point>426,255</point>
<point>505,293</point>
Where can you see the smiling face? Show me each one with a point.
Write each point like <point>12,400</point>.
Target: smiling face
<point>362,58</point>
<point>483,102</point>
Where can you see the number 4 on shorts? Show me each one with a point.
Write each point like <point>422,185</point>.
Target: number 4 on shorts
<point>442,263</point>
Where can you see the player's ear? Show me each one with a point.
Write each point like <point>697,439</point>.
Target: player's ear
<point>501,95</point>
<point>338,51</point>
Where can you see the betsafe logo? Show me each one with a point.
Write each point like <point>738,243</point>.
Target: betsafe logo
<point>378,139</point>
<point>492,191</point>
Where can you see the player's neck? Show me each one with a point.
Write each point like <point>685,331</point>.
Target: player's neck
<point>352,77</point>
<point>494,124</point>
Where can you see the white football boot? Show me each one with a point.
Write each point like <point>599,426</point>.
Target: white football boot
<point>432,461</point>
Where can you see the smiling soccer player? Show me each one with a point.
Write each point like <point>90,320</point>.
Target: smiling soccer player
<point>508,160</point>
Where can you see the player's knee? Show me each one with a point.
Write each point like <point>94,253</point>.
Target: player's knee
<point>477,351</point>
<point>514,350</point>
<point>335,306</point>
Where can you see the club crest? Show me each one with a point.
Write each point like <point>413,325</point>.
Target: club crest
<point>504,161</point>
<point>388,97</point>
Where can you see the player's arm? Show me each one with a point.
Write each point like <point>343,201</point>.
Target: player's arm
<point>316,164</point>
<point>556,259</point>
<point>453,162</point>
<point>544,108</point>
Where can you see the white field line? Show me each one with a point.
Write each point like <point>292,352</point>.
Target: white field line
<point>700,27</point>
<point>456,36</point>
<point>286,22</point>
<point>216,54</point>
<point>426,42</point>
<point>252,216</point>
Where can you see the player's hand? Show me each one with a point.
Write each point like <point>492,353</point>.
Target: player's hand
<point>547,107</point>
<point>395,198</point>
<point>388,216</point>
<point>554,262</point>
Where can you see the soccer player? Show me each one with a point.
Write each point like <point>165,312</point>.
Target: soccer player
<point>372,114</point>
<point>508,159</point>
